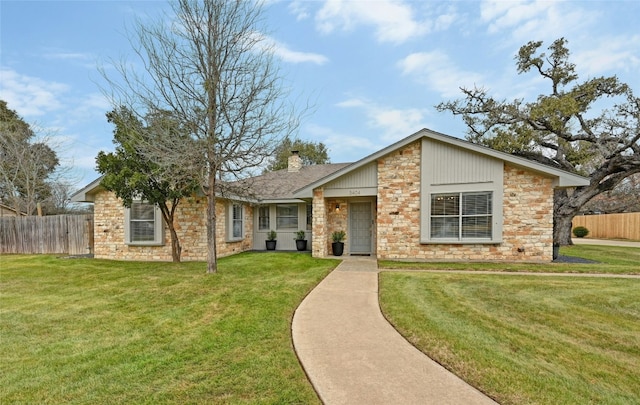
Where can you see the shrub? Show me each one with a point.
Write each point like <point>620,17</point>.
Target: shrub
<point>580,231</point>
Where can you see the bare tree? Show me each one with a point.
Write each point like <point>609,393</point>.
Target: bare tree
<point>27,163</point>
<point>211,66</point>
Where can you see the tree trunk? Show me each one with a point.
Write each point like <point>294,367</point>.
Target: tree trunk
<point>566,205</point>
<point>562,230</point>
<point>212,261</point>
<point>176,249</point>
<point>167,215</point>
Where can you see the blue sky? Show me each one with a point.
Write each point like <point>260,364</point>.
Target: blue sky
<point>374,69</point>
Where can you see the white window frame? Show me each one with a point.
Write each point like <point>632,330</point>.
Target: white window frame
<point>496,214</point>
<point>296,216</point>
<point>232,221</point>
<point>268,218</point>
<point>309,217</point>
<point>158,227</point>
<point>459,215</point>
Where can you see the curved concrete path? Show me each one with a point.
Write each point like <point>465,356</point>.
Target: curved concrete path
<point>352,355</point>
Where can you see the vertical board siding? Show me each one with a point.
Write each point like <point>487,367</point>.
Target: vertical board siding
<point>68,234</point>
<point>611,226</point>
<point>446,164</point>
<point>366,176</point>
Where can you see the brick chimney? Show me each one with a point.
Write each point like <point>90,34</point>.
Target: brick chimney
<point>295,162</point>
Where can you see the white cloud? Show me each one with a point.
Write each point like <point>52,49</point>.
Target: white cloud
<point>352,102</point>
<point>609,55</point>
<point>30,96</point>
<point>283,51</point>
<point>74,56</point>
<point>342,146</point>
<point>299,9</point>
<point>88,108</point>
<point>288,55</point>
<point>527,20</point>
<point>393,20</point>
<point>438,72</point>
<point>392,123</point>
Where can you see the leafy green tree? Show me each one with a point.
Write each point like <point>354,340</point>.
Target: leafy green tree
<point>568,128</point>
<point>27,163</point>
<point>131,174</point>
<point>311,153</point>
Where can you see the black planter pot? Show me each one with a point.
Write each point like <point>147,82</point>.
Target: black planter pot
<point>301,245</point>
<point>271,244</point>
<point>338,248</point>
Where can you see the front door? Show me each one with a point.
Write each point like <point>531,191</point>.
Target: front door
<point>360,228</point>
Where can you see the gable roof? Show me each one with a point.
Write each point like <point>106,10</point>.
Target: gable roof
<point>283,185</point>
<point>564,178</point>
<point>268,187</point>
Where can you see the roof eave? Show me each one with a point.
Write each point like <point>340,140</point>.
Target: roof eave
<point>87,194</point>
<point>563,178</point>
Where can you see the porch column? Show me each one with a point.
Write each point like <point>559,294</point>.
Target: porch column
<point>319,221</point>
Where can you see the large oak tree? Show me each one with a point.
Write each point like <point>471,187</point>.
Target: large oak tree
<point>590,127</point>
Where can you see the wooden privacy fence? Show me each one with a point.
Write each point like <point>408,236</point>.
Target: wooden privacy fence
<point>611,226</point>
<point>68,234</point>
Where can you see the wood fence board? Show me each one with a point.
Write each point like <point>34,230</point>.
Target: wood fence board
<point>611,226</point>
<point>66,234</point>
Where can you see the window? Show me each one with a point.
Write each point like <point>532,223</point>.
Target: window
<point>461,216</point>
<point>263,218</point>
<point>236,222</point>
<point>309,217</point>
<point>143,224</point>
<point>287,216</point>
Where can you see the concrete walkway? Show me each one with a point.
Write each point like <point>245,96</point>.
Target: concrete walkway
<point>352,355</point>
<point>605,242</point>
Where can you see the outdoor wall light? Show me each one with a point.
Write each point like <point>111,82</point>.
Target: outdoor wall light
<point>337,207</point>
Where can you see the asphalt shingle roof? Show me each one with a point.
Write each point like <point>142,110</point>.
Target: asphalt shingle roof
<point>281,184</point>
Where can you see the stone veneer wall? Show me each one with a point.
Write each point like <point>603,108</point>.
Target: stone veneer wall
<point>527,215</point>
<point>320,245</point>
<point>190,226</point>
<point>337,221</point>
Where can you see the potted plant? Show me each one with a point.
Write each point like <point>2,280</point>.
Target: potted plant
<point>271,240</point>
<point>338,245</point>
<point>301,242</point>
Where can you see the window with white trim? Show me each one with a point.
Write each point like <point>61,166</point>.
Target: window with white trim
<point>143,224</point>
<point>263,218</point>
<point>236,222</point>
<point>287,216</point>
<point>461,216</point>
<point>309,217</point>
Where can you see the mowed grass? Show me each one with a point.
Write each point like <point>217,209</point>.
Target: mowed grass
<point>527,339</point>
<point>94,331</point>
<point>609,260</point>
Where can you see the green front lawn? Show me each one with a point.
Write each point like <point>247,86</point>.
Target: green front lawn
<point>528,339</point>
<point>610,259</point>
<point>95,331</point>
